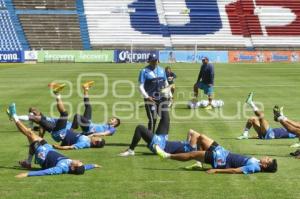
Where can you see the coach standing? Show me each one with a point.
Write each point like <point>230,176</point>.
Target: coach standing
<point>205,81</point>
<point>152,79</point>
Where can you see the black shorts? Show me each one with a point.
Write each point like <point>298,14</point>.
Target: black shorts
<point>209,154</point>
<point>34,145</point>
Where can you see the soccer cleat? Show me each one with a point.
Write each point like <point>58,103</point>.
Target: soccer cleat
<point>208,107</point>
<point>56,88</point>
<point>242,137</point>
<point>295,145</point>
<point>127,153</point>
<point>250,98</point>
<point>197,166</point>
<point>12,110</point>
<point>277,111</point>
<point>161,153</point>
<point>24,164</point>
<point>8,114</point>
<point>88,84</point>
<point>296,153</point>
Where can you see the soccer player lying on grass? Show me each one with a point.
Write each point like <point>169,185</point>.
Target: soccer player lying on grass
<point>288,124</point>
<point>160,138</point>
<point>84,121</point>
<point>261,125</point>
<point>52,162</point>
<point>221,160</point>
<point>61,131</point>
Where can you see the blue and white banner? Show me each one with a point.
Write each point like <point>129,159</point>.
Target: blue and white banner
<point>11,56</point>
<point>191,56</point>
<point>123,56</point>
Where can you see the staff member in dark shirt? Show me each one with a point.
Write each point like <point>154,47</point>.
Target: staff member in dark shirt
<point>205,81</point>
<point>171,76</point>
<point>152,80</point>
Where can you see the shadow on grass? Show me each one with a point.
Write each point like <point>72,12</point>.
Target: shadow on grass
<point>178,169</point>
<point>19,168</point>
<point>270,155</point>
<point>145,153</point>
<point>271,144</point>
<point>123,144</point>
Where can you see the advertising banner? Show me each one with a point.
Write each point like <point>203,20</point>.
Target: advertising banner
<point>123,56</point>
<point>11,56</point>
<point>76,56</point>
<point>263,56</point>
<point>31,55</point>
<point>189,56</point>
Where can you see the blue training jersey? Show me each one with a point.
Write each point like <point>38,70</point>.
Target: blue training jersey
<point>77,140</point>
<point>59,135</point>
<point>101,128</point>
<point>52,162</point>
<point>224,159</point>
<point>153,80</point>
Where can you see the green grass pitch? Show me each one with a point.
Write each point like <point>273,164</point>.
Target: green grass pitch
<point>145,175</point>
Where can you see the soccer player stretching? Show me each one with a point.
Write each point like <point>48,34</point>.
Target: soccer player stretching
<point>222,160</point>
<point>85,120</point>
<point>52,162</point>
<point>261,125</point>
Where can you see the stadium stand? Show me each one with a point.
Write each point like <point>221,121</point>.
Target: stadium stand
<point>53,24</point>
<point>110,24</point>
<point>52,31</point>
<point>8,36</point>
<point>184,23</point>
<point>180,24</point>
<point>45,4</point>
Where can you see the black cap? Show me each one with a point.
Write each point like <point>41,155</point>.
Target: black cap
<point>204,58</point>
<point>152,57</point>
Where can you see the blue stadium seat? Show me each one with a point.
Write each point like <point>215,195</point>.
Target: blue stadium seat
<point>8,37</point>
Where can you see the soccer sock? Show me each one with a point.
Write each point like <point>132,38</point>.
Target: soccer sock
<point>167,156</point>
<point>246,131</point>
<point>29,159</point>
<point>24,117</point>
<point>58,96</point>
<point>253,106</point>
<point>282,118</point>
<point>16,118</point>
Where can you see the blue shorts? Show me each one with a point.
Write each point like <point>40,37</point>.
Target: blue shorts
<point>41,153</point>
<point>208,90</point>
<point>219,156</point>
<point>270,134</point>
<point>178,147</point>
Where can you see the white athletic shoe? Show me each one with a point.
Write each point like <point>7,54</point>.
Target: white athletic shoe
<point>242,137</point>
<point>295,145</point>
<point>127,153</point>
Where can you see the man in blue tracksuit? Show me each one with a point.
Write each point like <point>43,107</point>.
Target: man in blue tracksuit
<point>52,162</point>
<point>152,79</point>
<point>205,81</point>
